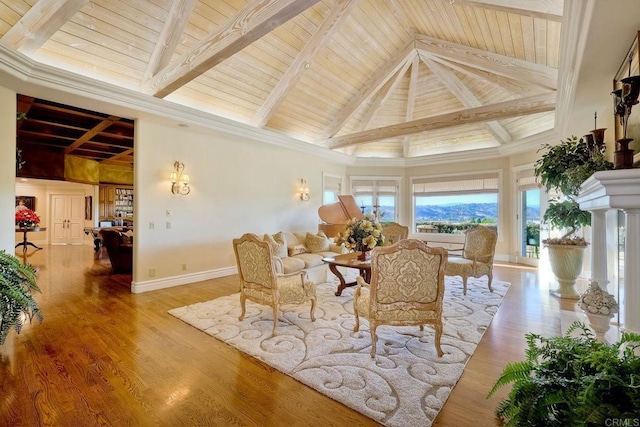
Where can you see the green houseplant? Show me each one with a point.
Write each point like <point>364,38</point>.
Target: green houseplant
<point>572,380</point>
<point>17,281</point>
<point>562,169</point>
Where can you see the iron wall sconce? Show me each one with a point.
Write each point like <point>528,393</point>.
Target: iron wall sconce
<point>179,180</point>
<point>304,190</point>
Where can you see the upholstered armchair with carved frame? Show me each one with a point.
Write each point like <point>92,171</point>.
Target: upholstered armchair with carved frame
<point>394,232</point>
<point>260,283</point>
<point>477,256</point>
<point>407,288</point>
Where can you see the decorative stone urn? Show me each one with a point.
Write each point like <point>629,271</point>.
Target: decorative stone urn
<point>566,264</point>
<point>599,306</point>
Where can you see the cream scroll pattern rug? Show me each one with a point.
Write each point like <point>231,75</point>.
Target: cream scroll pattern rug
<point>405,385</point>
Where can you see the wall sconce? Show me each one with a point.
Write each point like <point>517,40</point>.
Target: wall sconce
<point>304,190</point>
<point>179,180</point>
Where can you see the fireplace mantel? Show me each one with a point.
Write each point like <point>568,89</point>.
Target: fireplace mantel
<point>620,190</point>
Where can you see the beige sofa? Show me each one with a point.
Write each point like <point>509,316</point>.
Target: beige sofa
<point>296,252</point>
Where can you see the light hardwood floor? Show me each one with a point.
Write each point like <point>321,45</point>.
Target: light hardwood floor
<point>104,356</point>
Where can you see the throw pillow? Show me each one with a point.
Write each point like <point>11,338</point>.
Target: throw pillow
<point>297,249</point>
<point>278,244</point>
<point>317,243</point>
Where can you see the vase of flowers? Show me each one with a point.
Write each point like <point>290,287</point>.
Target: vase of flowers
<point>361,235</point>
<point>26,218</point>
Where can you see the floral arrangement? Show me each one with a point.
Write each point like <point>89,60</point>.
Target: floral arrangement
<point>361,234</point>
<point>598,301</point>
<point>27,218</point>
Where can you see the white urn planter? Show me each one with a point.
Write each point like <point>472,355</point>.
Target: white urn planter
<point>566,264</point>
<point>600,323</point>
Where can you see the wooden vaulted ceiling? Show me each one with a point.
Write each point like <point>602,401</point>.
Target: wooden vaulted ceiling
<point>370,78</point>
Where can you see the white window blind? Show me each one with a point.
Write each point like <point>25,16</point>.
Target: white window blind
<point>460,184</point>
<point>527,180</point>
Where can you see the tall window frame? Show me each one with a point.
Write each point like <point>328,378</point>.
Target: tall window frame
<point>331,187</point>
<point>373,195</point>
<point>457,186</point>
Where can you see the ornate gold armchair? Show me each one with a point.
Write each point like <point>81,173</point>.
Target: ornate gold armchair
<point>477,256</point>
<point>260,283</point>
<point>407,287</point>
<point>394,232</point>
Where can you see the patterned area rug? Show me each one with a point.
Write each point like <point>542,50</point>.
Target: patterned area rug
<point>405,385</point>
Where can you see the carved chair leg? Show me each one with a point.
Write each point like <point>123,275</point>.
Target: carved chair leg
<point>275,318</point>
<point>374,338</point>
<point>243,299</point>
<point>312,314</point>
<point>438,327</point>
<point>490,275</point>
<point>464,285</point>
<point>357,325</point>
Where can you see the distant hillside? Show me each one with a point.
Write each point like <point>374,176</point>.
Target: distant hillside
<point>457,213</point>
<point>460,212</point>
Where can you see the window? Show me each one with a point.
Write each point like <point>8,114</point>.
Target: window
<point>332,187</point>
<point>529,215</point>
<point>451,204</point>
<point>377,196</point>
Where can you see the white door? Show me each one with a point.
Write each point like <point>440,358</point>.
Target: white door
<point>67,219</point>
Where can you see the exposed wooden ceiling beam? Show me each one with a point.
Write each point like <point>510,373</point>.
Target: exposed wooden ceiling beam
<point>254,21</point>
<point>91,133</point>
<point>492,62</point>
<point>169,37</point>
<point>303,61</point>
<point>518,107</point>
<point>411,101</point>
<point>42,20</point>
<point>467,98</point>
<point>119,157</point>
<point>517,87</point>
<point>550,10</point>
<point>371,87</point>
<point>384,93</point>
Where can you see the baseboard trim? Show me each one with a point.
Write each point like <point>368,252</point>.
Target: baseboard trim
<point>184,279</point>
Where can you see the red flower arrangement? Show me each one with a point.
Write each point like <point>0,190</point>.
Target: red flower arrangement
<point>27,218</point>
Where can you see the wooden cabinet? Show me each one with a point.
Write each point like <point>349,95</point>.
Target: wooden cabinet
<point>115,201</point>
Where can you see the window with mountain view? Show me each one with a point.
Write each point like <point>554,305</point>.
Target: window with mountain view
<point>452,204</point>
<point>377,196</point>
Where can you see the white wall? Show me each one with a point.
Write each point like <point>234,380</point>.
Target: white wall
<point>7,168</point>
<point>237,186</point>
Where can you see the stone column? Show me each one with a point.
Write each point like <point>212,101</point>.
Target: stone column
<point>599,247</point>
<point>631,313</point>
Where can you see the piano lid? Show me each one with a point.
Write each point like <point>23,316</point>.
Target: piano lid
<point>341,211</point>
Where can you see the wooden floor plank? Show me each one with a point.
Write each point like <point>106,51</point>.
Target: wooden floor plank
<point>105,356</point>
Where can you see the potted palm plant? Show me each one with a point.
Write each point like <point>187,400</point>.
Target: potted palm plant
<point>562,169</point>
<point>17,305</point>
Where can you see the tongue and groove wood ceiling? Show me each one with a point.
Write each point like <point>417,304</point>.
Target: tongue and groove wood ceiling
<point>370,78</point>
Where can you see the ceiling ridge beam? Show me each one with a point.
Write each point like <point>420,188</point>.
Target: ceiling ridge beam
<point>370,88</point>
<point>39,24</point>
<point>258,18</point>
<point>502,110</point>
<point>169,37</point>
<point>325,31</point>
<point>492,62</point>
<point>549,10</point>
<point>468,99</point>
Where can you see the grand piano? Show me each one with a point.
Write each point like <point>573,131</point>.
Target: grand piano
<point>334,216</point>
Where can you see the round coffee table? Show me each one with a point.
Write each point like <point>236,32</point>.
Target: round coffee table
<point>351,261</point>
